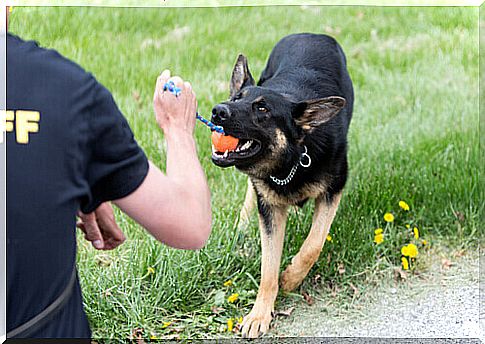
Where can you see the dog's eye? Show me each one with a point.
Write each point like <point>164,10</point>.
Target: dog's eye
<point>262,108</point>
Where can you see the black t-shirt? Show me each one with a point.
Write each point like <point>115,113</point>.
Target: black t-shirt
<point>68,148</point>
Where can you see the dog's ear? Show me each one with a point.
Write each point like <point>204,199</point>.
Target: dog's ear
<point>241,77</point>
<point>312,113</point>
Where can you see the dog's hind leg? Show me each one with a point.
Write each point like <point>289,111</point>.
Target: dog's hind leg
<point>272,223</point>
<point>310,250</point>
<point>249,204</point>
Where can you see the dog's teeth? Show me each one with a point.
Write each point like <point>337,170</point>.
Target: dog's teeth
<point>225,154</point>
<point>247,145</point>
<point>213,149</point>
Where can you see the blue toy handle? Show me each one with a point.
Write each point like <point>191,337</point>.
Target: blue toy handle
<point>211,125</point>
<point>170,86</point>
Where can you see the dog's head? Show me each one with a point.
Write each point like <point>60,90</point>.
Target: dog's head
<point>267,123</point>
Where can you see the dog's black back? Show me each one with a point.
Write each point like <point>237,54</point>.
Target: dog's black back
<point>306,66</point>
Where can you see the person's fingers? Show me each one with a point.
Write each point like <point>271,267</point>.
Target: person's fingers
<point>176,80</point>
<point>112,234</point>
<point>192,99</point>
<point>110,230</point>
<point>107,223</point>
<point>165,75</point>
<point>163,78</point>
<point>161,81</point>
<point>80,225</point>
<point>111,244</point>
<point>187,90</point>
<point>195,105</point>
<point>92,231</point>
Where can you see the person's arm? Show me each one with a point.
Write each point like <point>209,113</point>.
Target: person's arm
<point>174,207</point>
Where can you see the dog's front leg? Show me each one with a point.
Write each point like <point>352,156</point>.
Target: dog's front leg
<point>301,264</point>
<point>272,223</point>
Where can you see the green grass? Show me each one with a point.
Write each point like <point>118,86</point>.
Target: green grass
<point>414,136</point>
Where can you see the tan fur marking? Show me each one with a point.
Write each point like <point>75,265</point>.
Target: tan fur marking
<point>310,250</point>
<point>275,149</point>
<point>249,204</point>
<point>258,320</point>
<point>306,127</point>
<point>281,141</point>
<point>311,190</point>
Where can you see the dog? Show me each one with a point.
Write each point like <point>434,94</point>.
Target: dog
<point>292,130</point>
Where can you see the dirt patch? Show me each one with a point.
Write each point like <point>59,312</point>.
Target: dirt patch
<point>441,303</point>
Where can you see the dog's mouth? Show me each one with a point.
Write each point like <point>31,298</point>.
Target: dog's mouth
<point>246,148</point>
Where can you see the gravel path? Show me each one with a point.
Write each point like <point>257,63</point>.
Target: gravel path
<point>444,303</point>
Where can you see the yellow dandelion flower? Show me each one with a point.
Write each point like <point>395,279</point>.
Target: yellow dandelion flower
<point>329,237</point>
<point>153,337</point>
<point>378,231</point>
<point>412,251</point>
<point>150,270</point>
<point>166,324</point>
<point>10,8</point>
<point>424,242</point>
<point>416,232</point>
<point>405,263</point>
<point>404,206</point>
<point>227,283</point>
<point>388,217</point>
<point>240,320</point>
<point>408,226</point>
<point>233,298</point>
<point>230,325</point>
<point>379,238</point>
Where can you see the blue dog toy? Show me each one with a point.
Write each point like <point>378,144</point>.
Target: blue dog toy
<point>170,86</point>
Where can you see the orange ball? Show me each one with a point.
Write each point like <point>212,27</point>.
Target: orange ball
<point>224,142</point>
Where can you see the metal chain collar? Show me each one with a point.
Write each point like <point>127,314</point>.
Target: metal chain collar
<point>290,176</point>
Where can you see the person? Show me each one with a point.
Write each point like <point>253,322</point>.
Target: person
<point>70,150</point>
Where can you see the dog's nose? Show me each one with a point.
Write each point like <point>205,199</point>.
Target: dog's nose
<point>220,112</point>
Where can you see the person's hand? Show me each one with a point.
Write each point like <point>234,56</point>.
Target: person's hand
<point>174,113</point>
<point>100,228</point>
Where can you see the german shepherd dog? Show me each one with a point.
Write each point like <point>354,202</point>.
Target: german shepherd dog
<point>292,130</point>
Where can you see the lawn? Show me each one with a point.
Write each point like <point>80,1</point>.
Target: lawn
<point>414,137</point>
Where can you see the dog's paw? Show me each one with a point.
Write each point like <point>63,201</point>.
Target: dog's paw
<point>290,279</point>
<point>256,323</point>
